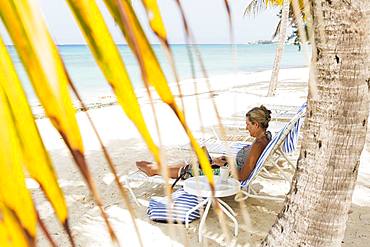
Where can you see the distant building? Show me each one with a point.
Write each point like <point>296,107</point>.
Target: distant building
<point>258,42</point>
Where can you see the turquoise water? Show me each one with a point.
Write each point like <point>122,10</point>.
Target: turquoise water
<point>218,60</point>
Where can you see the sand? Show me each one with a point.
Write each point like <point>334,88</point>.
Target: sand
<point>233,94</point>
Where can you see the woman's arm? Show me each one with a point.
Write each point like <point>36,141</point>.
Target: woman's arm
<point>250,162</point>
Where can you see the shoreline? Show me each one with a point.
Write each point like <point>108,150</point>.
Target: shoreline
<point>110,99</point>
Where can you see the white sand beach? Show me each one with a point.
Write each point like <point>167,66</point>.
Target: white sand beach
<point>234,95</point>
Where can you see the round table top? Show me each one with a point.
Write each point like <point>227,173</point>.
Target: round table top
<point>199,186</point>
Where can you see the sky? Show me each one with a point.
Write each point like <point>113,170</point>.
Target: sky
<point>207,19</point>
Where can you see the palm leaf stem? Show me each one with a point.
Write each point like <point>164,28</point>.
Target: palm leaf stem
<point>158,79</point>
<point>46,231</point>
<point>190,37</point>
<point>121,188</point>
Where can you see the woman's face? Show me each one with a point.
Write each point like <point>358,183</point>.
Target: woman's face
<point>251,127</point>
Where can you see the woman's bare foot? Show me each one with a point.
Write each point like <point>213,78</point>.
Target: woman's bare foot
<point>148,168</point>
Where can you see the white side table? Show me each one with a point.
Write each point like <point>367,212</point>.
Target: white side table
<point>199,186</point>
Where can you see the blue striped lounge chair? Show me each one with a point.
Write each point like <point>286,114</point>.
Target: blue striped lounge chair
<point>284,142</point>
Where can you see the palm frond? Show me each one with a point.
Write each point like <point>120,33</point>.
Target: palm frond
<point>155,19</point>
<point>277,29</point>
<point>47,74</point>
<point>37,160</point>
<point>11,232</point>
<point>13,192</point>
<point>152,73</point>
<point>108,58</point>
<point>253,7</point>
<point>43,65</point>
<point>157,26</point>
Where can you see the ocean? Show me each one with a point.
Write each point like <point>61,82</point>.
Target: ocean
<point>218,60</point>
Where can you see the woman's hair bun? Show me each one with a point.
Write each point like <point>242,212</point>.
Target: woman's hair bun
<point>266,111</point>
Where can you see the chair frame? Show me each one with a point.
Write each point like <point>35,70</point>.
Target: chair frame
<point>139,176</point>
<point>275,148</point>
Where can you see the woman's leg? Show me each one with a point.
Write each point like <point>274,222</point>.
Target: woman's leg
<point>152,169</point>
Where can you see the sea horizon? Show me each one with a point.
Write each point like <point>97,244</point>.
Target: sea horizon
<point>219,60</point>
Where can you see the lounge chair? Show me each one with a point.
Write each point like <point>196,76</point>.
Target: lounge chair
<point>217,146</point>
<point>235,134</point>
<point>285,141</point>
<point>228,148</point>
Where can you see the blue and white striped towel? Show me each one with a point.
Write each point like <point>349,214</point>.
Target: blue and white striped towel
<point>182,202</point>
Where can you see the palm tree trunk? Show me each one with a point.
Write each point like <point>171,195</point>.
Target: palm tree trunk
<point>279,49</point>
<point>367,13</point>
<point>316,209</point>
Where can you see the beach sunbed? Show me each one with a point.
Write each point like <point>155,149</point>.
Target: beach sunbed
<point>284,142</point>
<point>235,133</point>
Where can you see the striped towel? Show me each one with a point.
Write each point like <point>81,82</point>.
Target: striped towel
<point>182,202</point>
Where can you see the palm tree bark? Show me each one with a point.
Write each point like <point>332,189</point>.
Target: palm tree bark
<point>367,13</point>
<point>316,208</point>
<point>279,49</point>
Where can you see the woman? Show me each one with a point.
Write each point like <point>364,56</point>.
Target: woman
<point>257,121</point>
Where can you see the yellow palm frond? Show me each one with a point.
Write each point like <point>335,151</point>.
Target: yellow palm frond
<point>155,19</point>
<point>46,71</point>
<point>36,158</point>
<point>125,16</point>
<point>108,58</point>
<point>43,65</point>
<point>11,233</point>
<point>13,191</point>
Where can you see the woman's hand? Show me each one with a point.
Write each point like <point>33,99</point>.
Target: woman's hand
<point>220,161</point>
